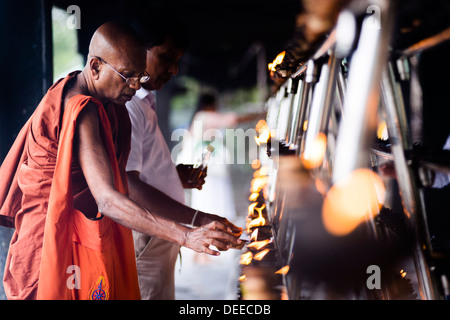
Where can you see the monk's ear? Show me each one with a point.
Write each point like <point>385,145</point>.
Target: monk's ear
<point>95,65</point>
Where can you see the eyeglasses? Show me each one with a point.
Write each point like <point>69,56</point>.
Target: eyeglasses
<point>131,81</point>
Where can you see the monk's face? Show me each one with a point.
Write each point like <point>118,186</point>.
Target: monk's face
<point>110,83</point>
<point>162,64</point>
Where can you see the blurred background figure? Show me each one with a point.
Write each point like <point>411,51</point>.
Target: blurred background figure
<point>208,126</point>
<point>217,193</point>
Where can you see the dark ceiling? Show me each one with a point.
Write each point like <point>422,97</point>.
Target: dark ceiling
<point>221,33</point>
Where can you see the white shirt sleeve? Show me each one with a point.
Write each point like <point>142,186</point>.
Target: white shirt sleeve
<point>137,117</point>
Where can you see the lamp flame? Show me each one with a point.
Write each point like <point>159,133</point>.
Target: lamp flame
<point>258,183</point>
<point>283,270</point>
<point>382,132</point>
<point>254,235</point>
<point>351,201</point>
<point>264,132</point>
<point>276,61</point>
<point>260,255</point>
<point>254,196</point>
<point>261,172</point>
<point>263,137</point>
<point>313,156</point>
<point>246,258</point>
<point>251,208</point>
<point>256,164</point>
<point>257,222</point>
<point>258,245</point>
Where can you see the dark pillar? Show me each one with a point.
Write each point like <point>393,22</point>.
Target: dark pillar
<point>26,74</point>
<point>26,63</point>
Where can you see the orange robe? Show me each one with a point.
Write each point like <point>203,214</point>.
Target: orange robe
<point>56,252</point>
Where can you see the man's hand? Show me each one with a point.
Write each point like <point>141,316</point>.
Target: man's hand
<point>215,234</point>
<point>204,219</point>
<point>191,178</point>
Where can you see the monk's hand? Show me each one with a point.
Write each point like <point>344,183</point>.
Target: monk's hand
<point>204,218</point>
<point>213,234</point>
<point>191,178</point>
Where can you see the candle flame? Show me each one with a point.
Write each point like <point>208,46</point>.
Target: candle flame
<point>264,132</point>
<point>254,196</point>
<point>261,172</point>
<point>276,61</point>
<point>351,201</point>
<point>283,270</point>
<point>263,137</point>
<point>254,235</point>
<point>382,132</point>
<point>258,245</point>
<point>246,258</point>
<point>260,255</point>
<point>243,278</point>
<point>261,125</point>
<point>256,164</point>
<point>313,156</point>
<point>259,221</point>
<point>251,208</point>
<point>258,183</point>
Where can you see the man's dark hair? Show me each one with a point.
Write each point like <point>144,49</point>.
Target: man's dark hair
<point>155,27</point>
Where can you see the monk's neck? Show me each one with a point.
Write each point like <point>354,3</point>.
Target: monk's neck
<point>87,87</point>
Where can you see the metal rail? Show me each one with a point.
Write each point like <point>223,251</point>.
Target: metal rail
<point>356,98</point>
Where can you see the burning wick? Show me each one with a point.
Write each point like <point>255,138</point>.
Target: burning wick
<point>403,273</point>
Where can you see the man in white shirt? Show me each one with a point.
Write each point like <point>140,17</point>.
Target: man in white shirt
<point>150,165</point>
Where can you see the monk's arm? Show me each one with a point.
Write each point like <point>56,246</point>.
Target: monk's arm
<point>156,201</point>
<point>111,203</point>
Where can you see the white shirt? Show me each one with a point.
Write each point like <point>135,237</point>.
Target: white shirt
<point>149,153</point>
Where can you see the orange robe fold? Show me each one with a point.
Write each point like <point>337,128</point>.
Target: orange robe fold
<point>56,252</point>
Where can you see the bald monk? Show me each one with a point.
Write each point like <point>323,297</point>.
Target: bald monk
<point>64,186</point>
